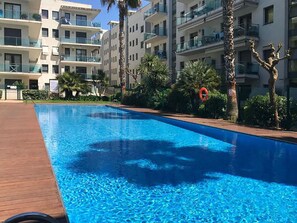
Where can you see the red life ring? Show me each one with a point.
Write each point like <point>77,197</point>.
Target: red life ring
<point>203,94</point>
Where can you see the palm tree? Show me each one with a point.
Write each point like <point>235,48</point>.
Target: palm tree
<point>123,6</point>
<point>228,18</point>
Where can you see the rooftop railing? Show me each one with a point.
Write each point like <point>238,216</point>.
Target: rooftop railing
<point>9,14</point>
<point>155,9</point>
<point>17,41</point>
<point>77,22</point>
<point>81,40</point>
<point>21,68</point>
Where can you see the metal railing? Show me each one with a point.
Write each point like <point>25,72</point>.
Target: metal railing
<point>80,58</point>
<point>247,68</point>
<point>77,22</point>
<point>155,9</point>
<point>250,31</point>
<point>162,54</point>
<point>80,40</point>
<point>17,41</point>
<point>10,14</point>
<point>22,68</point>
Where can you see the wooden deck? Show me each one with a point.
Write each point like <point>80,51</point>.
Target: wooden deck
<point>27,182</point>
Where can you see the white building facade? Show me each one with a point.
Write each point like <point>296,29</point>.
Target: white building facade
<point>44,38</point>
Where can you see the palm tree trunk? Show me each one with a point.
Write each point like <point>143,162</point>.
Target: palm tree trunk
<point>232,107</point>
<point>122,9</point>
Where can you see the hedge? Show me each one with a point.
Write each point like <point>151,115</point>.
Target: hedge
<point>35,95</point>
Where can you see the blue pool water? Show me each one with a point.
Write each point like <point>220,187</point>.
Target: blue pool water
<point>118,166</point>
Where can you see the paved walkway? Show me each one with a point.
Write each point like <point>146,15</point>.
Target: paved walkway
<point>289,136</point>
<point>27,182</point>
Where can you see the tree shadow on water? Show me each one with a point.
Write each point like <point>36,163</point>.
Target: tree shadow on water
<point>153,162</point>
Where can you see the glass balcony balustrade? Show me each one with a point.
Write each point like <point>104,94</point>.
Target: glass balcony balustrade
<point>81,40</point>
<point>250,31</point>
<point>155,9</point>
<point>156,32</point>
<point>77,22</point>
<point>20,68</point>
<point>11,14</point>
<point>17,41</point>
<point>81,59</point>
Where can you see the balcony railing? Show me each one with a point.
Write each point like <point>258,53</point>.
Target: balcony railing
<point>156,32</point>
<point>17,41</point>
<point>209,6</point>
<point>87,23</point>
<point>21,68</point>
<point>251,31</point>
<point>81,59</point>
<point>81,40</point>
<point>155,9</point>
<point>9,14</point>
<point>161,54</point>
<point>87,76</point>
<point>247,68</point>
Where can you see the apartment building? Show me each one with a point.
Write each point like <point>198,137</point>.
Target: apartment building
<point>43,38</point>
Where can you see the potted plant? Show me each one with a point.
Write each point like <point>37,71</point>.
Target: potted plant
<point>24,16</point>
<point>36,16</point>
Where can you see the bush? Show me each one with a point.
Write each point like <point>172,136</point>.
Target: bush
<point>0,94</point>
<point>160,99</point>
<point>214,107</point>
<point>89,98</point>
<point>258,111</point>
<point>116,97</point>
<point>135,99</point>
<point>35,95</point>
<point>178,101</point>
<point>105,98</point>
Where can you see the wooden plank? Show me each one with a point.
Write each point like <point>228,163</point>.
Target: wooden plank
<point>27,182</point>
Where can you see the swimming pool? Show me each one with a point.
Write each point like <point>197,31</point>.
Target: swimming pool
<point>112,165</point>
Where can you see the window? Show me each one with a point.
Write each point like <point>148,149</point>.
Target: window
<point>12,11</point>
<point>67,52</point>
<point>55,33</point>
<point>44,14</point>
<point>81,70</point>
<point>266,54</point>
<point>45,50</point>
<point>136,27</point>
<point>67,16</point>
<point>136,42</point>
<point>81,20</point>
<point>44,68</point>
<point>142,29</point>
<point>182,65</point>
<point>44,32</point>
<point>67,69</point>
<point>55,15</point>
<point>67,34</point>
<point>136,56</point>
<point>133,42</point>
<point>133,28</point>
<point>141,44</point>
<point>268,15</point>
<point>55,69</point>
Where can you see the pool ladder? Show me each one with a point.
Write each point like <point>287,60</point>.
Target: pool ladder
<point>29,216</point>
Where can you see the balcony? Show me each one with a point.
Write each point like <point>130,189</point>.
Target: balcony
<point>20,69</point>
<point>161,54</point>
<point>210,11</point>
<point>83,24</point>
<point>246,71</point>
<point>80,41</point>
<point>157,12</point>
<point>20,42</point>
<point>20,18</point>
<point>215,42</point>
<point>81,60</point>
<point>87,76</point>
<point>157,35</point>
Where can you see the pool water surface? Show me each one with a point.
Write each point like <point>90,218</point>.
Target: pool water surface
<point>113,165</point>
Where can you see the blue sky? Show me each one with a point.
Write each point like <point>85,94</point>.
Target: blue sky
<point>104,17</point>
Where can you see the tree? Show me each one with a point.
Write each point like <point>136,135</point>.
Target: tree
<point>70,82</point>
<point>100,81</point>
<point>123,6</point>
<point>154,74</point>
<point>270,66</point>
<point>228,20</point>
<point>195,76</point>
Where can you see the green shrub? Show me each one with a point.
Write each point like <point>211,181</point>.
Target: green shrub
<point>35,95</point>
<point>0,94</point>
<point>135,99</point>
<point>214,107</point>
<point>89,98</point>
<point>178,101</point>
<point>116,97</point>
<point>160,99</point>
<point>105,98</point>
<point>258,111</point>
